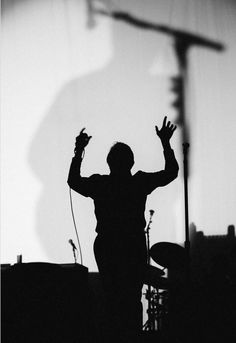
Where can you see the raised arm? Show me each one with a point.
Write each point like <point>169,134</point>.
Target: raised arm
<point>170,172</point>
<point>75,180</point>
<point>171,166</point>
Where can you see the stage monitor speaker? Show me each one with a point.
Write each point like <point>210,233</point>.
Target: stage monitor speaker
<point>45,303</point>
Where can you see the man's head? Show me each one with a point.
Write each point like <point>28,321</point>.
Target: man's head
<point>120,158</point>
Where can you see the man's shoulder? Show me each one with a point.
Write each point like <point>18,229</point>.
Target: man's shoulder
<point>140,177</point>
<point>99,177</point>
<point>139,174</point>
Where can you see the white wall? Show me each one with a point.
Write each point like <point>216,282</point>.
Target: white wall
<point>59,76</point>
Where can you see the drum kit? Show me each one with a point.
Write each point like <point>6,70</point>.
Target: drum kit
<point>171,257</point>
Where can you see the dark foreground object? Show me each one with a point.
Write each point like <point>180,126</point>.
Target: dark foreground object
<point>44,302</point>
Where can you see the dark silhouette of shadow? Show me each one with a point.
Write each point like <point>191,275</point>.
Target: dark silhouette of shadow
<point>183,40</point>
<point>121,95</point>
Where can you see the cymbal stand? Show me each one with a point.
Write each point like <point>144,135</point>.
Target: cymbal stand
<point>154,320</point>
<point>148,238</point>
<point>151,294</point>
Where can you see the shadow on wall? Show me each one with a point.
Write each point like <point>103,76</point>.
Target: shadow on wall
<point>113,103</point>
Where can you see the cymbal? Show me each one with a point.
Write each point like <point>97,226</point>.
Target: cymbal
<point>169,255</point>
<point>153,272</point>
<point>153,277</point>
<point>162,283</point>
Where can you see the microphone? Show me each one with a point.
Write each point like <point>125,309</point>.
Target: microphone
<point>72,244</point>
<point>151,212</point>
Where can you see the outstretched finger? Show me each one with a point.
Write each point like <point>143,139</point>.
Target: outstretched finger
<point>164,121</point>
<point>82,131</point>
<point>157,130</point>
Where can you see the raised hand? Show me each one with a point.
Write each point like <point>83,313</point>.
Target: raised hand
<point>81,141</point>
<point>166,131</point>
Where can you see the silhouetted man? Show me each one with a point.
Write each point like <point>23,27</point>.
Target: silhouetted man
<point>120,245</point>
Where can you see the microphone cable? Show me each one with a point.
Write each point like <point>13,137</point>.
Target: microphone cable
<point>75,227</point>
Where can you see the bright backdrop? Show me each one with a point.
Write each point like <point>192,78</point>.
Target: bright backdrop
<point>59,75</point>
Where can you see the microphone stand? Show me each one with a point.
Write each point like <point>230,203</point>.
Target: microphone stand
<point>187,239</point>
<point>148,239</point>
<point>73,248</point>
<point>185,161</point>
